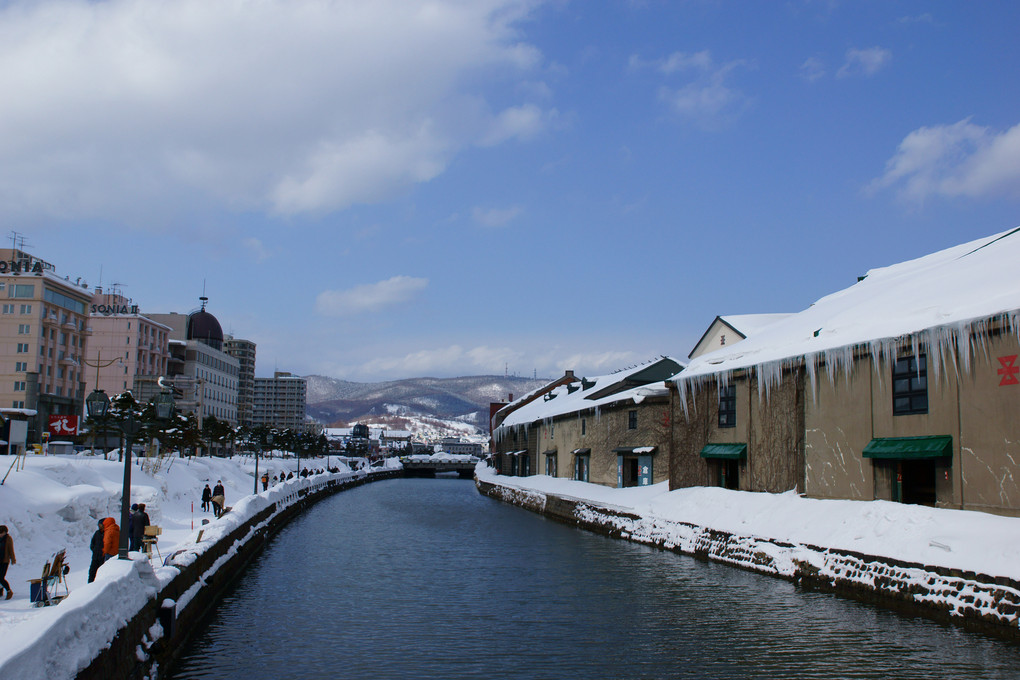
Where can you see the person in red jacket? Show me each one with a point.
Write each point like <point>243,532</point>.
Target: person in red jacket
<point>111,537</point>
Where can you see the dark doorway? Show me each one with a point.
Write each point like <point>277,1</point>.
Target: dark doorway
<point>917,481</point>
<point>727,473</point>
<point>630,471</point>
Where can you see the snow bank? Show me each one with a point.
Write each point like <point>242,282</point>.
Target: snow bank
<point>945,562</point>
<point>952,539</point>
<point>56,501</point>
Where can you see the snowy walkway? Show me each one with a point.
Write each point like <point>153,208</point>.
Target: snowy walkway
<point>54,503</point>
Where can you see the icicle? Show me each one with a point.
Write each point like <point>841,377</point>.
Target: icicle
<point>810,365</point>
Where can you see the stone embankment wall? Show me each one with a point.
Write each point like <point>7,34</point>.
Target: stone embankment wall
<point>155,636</point>
<point>990,605</point>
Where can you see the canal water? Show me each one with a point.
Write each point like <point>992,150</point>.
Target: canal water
<point>426,578</point>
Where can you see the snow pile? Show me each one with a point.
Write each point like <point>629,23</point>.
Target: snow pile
<point>953,539</point>
<point>55,502</point>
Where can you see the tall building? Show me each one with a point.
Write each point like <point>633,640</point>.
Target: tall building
<point>244,352</point>
<point>280,401</point>
<point>125,345</point>
<point>207,373</point>
<point>43,335</point>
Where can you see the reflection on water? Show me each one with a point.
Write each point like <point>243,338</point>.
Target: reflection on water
<point>426,578</point>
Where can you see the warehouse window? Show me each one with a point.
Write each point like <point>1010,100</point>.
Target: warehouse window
<point>728,406</point>
<point>910,385</point>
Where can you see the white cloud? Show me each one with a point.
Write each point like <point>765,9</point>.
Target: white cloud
<point>597,363</point>
<point>812,69</point>
<point>256,248</point>
<point>443,361</point>
<point>707,95</point>
<point>368,297</point>
<point>521,122</point>
<point>866,62</point>
<point>495,217</point>
<point>962,159</point>
<point>128,108</point>
<point>456,359</point>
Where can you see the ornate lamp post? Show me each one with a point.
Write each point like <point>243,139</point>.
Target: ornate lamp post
<point>98,404</point>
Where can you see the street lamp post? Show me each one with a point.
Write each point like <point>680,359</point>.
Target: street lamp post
<point>97,404</point>
<point>258,450</point>
<point>130,427</point>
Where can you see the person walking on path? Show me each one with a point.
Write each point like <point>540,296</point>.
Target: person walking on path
<point>111,538</point>
<point>7,558</point>
<point>206,497</point>
<point>219,497</point>
<point>265,481</point>
<point>97,552</point>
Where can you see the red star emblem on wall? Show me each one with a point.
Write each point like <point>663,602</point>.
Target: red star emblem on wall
<point>1009,371</point>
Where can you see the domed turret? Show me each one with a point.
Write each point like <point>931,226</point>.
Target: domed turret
<point>204,327</point>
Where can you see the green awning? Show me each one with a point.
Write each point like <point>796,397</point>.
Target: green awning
<point>909,448</point>
<point>727,451</point>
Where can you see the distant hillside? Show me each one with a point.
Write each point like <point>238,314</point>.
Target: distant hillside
<point>451,405</point>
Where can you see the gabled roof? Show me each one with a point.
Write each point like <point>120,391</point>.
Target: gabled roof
<point>741,324</point>
<point>938,296</point>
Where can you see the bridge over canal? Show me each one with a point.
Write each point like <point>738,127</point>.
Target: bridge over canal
<point>429,466</point>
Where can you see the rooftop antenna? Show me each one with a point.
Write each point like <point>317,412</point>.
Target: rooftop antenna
<point>204,300</point>
<point>17,240</point>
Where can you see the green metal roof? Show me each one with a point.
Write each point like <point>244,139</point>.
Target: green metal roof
<point>904,448</point>
<point>727,451</point>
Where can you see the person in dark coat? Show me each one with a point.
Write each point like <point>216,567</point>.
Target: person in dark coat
<point>136,529</point>
<point>206,497</point>
<point>97,552</point>
<point>7,558</point>
<point>218,499</point>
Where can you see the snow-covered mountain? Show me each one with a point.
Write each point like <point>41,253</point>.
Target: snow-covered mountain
<point>428,407</point>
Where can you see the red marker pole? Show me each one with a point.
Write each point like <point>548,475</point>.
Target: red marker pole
<point>192,514</point>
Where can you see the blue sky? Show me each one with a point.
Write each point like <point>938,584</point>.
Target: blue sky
<point>388,189</point>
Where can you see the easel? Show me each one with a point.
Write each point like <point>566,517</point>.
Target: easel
<point>19,461</point>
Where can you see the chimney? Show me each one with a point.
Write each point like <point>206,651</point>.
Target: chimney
<point>511,397</point>
<point>569,374</point>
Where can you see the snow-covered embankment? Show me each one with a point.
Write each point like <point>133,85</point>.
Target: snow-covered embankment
<point>945,564</point>
<point>135,618</point>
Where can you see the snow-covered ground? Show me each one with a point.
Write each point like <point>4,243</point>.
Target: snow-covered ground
<point>955,539</point>
<point>55,502</point>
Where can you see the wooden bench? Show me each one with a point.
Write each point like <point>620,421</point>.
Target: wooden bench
<point>52,576</point>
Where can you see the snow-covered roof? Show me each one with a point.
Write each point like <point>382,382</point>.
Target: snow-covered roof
<point>577,396</point>
<point>938,296</point>
<point>525,398</point>
<point>749,324</point>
